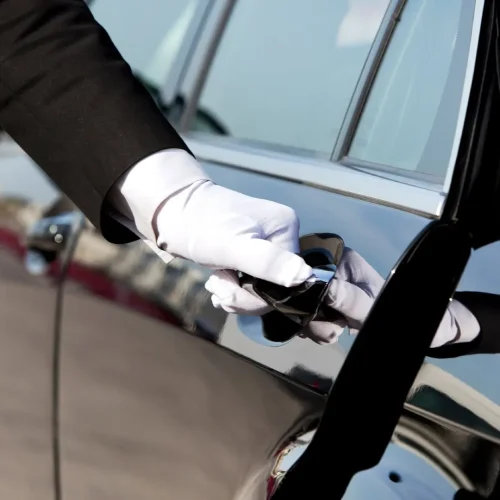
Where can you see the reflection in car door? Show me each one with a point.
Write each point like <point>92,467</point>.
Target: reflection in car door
<point>162,395</point>
<point>29,282</point>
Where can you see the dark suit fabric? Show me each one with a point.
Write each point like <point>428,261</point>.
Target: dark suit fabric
<point>72,103</point>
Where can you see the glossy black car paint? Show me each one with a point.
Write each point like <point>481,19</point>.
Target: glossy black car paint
<point>120,380</point>
<point>443,250</point>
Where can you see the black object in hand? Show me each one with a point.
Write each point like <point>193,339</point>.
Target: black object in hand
<point>295,307</point>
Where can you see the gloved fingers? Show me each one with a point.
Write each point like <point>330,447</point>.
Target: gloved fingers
<point>323,332</point>
<point>282,228</point>
<point>355,269</point>
<point>229,296</point>
<point>349,300</point>
<point>263,259</point>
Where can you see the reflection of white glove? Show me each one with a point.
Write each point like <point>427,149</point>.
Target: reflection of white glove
<point>352,293</point>
<point>223,229</point>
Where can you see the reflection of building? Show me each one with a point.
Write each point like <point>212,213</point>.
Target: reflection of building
<point>446,423</point>
<point>17,214</point>
<point>177,288</point>
<point>443,394</point>
<point>438,396</point>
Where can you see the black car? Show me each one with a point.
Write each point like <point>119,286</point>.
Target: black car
<point>119,380</point>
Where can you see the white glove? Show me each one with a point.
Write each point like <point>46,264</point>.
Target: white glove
<point>352,293</point>
<point>223,229</point>
<point>355,289</point>
<point>169,201</point>
<point>226,230</point>
<point>356,286</point>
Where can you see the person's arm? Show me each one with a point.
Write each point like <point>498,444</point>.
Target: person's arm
<point>485,307</point>
<point>71,102</point>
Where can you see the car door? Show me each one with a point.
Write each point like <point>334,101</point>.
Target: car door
<point>351,113</point>
<point>33,242</point>
<point>396,140</point>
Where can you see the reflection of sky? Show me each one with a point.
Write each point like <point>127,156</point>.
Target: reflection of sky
<point>419,480</point>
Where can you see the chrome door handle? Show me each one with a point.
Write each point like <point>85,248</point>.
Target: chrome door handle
<point>47,239</point>
<point>294,308</point>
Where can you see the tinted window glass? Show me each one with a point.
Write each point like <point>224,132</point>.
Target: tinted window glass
<point>148,33</point>
<point>285,70</point>
<point>421,77</point>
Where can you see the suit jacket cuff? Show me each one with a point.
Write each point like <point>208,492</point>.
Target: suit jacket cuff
<point>140,191</point>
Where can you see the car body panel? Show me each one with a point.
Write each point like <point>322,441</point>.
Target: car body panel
<point>28,318</point>
<point>142,388</point>
<point>129,380</point>
<point>154,374</point>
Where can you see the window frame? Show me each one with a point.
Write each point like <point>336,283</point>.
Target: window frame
<point>169,87</point>
<point>362,94</point>
<point>174,79</point>
<point>350,177</point>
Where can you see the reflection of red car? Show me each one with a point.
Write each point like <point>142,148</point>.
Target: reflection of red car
<point>96,282</point>
<point>103,286</point>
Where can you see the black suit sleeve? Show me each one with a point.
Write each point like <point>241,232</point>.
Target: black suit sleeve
<point>486,309</point>
<point>71,102</point>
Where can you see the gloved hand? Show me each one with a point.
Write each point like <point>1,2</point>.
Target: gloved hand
<point>223,229</point>
<point>352,293</point>
<point>228,231</point>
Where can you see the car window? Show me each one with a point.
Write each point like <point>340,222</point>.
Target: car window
<point>285,71</point>
<point>410,117</point>
<point>150,34</point>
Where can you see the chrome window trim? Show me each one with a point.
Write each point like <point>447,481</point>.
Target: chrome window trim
<point>469,73</point>
<point>203,57</point>
<point>324,174</point>
<point>174,79</point>
<point>407,176</point>
<point>341,152</point>
<point>365,81</point>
